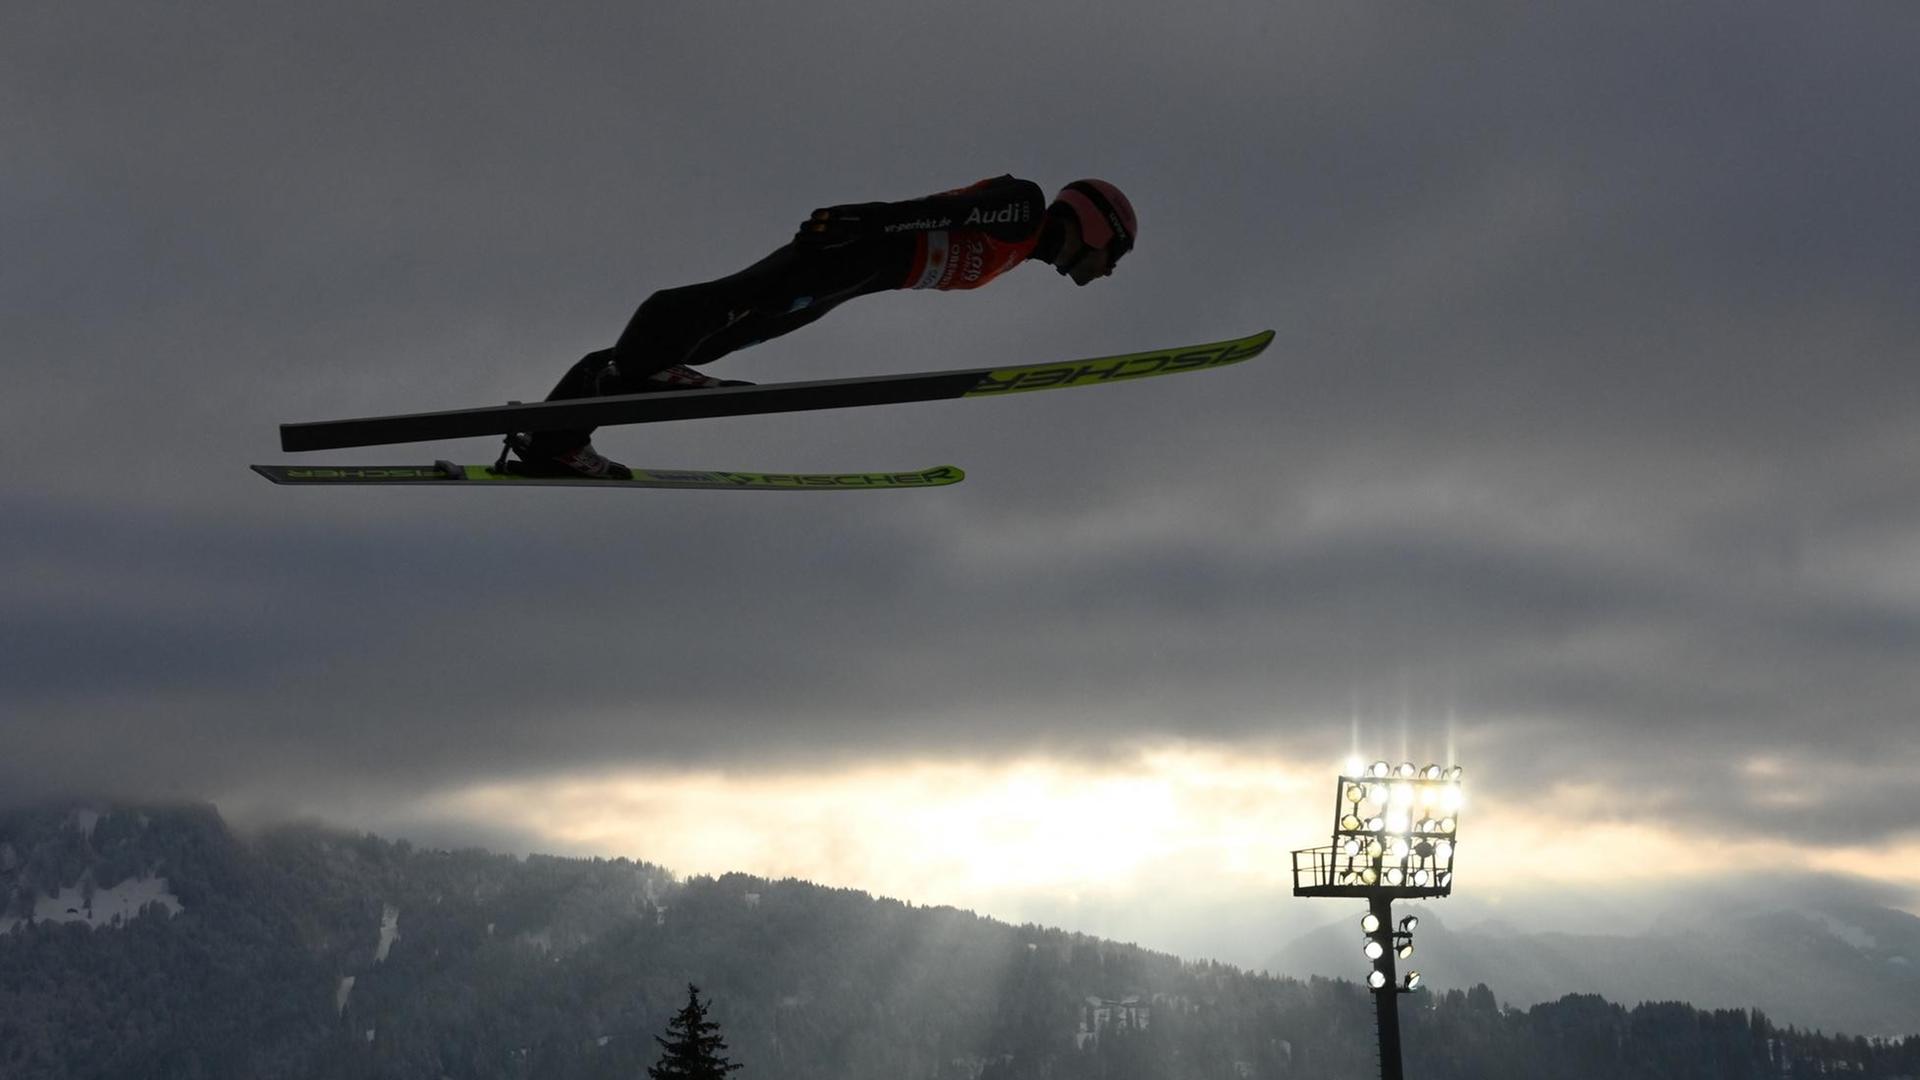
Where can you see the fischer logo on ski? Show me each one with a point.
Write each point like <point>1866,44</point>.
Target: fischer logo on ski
<point>369,472</point>
<point>945,474</point>
<point>1116,369</point>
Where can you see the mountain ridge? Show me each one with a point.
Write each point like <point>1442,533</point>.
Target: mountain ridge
<point>1836,966</point>
<point>313,952</point>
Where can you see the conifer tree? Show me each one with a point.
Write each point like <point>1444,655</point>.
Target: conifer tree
<point>692,1050</point>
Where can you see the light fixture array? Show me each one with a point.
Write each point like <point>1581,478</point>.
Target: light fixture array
<point>1384,945</point>
<point>1395,828</point>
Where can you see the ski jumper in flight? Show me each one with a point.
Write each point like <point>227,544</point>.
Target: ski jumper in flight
<point>958,239</point>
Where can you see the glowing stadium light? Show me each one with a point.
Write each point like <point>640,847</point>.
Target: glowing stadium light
<point>1395,835</point>
<point>1390,831</point>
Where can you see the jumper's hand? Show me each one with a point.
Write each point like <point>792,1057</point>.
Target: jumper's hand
<point>838,226</point>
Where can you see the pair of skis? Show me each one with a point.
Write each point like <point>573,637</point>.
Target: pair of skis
<point>721,401</point>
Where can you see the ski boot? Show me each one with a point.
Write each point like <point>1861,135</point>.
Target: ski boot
<point>539,460</point>
<point>682,377</point>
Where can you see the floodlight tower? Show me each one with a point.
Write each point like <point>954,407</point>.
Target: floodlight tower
<point>1394,832</point>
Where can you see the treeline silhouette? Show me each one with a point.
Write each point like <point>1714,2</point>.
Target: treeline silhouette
<point>553,967</point>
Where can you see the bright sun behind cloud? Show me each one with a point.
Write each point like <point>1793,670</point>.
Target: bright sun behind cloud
<point>1130,828</point>
<point>960,833</point>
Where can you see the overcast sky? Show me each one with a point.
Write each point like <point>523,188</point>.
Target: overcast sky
<point>1586,454</point>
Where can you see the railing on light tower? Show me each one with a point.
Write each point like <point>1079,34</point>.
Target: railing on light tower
<point>1394,834</point>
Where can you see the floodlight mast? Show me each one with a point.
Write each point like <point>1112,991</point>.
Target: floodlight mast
<point>1394,833</point>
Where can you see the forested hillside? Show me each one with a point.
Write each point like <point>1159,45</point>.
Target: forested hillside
<point>304,952</point>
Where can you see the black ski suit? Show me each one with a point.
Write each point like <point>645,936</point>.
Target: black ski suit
<point>955,240</point>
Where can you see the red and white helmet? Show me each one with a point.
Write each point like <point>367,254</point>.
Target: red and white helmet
<point>1104,214</point>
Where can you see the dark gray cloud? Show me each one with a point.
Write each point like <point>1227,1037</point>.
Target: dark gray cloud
<point>1588,433</point>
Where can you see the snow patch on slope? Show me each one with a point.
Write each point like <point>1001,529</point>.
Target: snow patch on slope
<point>389,930</point>
<point>1845,931</point>
<point>84,820</point>
<point>109,907</point>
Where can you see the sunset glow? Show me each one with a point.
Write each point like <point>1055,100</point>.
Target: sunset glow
<point>959,833</point>
<point>1193,819</point>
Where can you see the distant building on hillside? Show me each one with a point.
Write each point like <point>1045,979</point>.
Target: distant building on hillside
<point>1105,1014</point>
